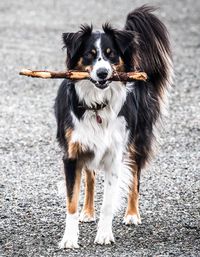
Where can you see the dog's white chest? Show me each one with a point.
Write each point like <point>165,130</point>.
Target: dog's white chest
<point>110,135</point>
<point>105,138</point>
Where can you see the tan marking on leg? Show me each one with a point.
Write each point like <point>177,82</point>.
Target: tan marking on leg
<point>74,148</point>
<point>72,202</point>
<point>89,192</point>
<point>132,212</point>
<point>68,134</point>
<point>88,211</point>
<point>132,208</point>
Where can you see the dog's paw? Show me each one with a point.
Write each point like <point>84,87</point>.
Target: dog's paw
<point>104,236</point>
<point>69,241</point>
<point>70,237</point>
<point>132,219</point>
<point>86,217</point>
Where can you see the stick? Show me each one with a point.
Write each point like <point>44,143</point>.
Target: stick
<point>78,75</point>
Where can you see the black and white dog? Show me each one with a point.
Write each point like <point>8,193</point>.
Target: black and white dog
<point>110,126</point>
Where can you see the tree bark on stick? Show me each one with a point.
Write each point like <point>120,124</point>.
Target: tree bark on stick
<point>79,75</point>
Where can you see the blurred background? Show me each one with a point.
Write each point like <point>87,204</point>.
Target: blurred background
<point>32,214</point>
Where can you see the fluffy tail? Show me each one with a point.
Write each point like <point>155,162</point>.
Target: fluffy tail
<point>154,52</point>
<point>154,57</point>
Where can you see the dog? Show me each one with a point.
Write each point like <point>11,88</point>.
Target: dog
<point>109,126</point>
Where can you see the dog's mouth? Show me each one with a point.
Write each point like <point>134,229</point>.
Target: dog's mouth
<point>102,84</point>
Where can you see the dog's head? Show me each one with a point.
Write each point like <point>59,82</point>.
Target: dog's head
<point>100,53</point>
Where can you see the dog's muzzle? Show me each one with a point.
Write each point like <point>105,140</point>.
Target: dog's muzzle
<point>102,78</point>
<point>102,84</point>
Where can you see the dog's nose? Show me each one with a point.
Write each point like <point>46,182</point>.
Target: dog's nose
<point>102,73</point>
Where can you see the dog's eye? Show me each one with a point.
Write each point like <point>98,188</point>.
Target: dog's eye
<point>90,55</point>
<point>93,52</point>
<point>109,53</point>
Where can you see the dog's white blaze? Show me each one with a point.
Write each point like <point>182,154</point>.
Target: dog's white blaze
<point>100,63</point>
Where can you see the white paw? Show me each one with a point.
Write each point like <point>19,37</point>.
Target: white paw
<point>69,242</point>
<point>85,217</point>
<point>104,236</point>
<point>132,219</point>
<point>70,237</point>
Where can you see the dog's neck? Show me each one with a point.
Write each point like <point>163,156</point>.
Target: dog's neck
<point>101,102</point>
<point>90,95</point>
<point>95,107</point>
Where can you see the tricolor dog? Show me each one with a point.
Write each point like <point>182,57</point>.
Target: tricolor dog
<point>108,127</point>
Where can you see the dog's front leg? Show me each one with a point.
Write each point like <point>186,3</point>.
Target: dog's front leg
<point>73,178</point>
<point>104,232</point>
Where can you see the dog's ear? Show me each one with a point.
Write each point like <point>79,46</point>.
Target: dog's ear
<point>73,41</point>
<point>125,39</point>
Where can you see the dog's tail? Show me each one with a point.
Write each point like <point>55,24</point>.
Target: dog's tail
<point>154,51</point>
<point>153,57</point>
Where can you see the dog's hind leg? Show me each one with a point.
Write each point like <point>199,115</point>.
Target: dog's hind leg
<point>88,211</point>
<point>132,215</point>
<point>73,180</point>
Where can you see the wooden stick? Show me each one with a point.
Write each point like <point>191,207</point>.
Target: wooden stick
<point>78,75</point>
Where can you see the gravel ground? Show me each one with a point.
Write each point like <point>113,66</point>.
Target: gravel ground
<point>32,213</point>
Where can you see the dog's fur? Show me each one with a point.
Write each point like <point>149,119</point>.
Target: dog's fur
<point>110,126</point>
